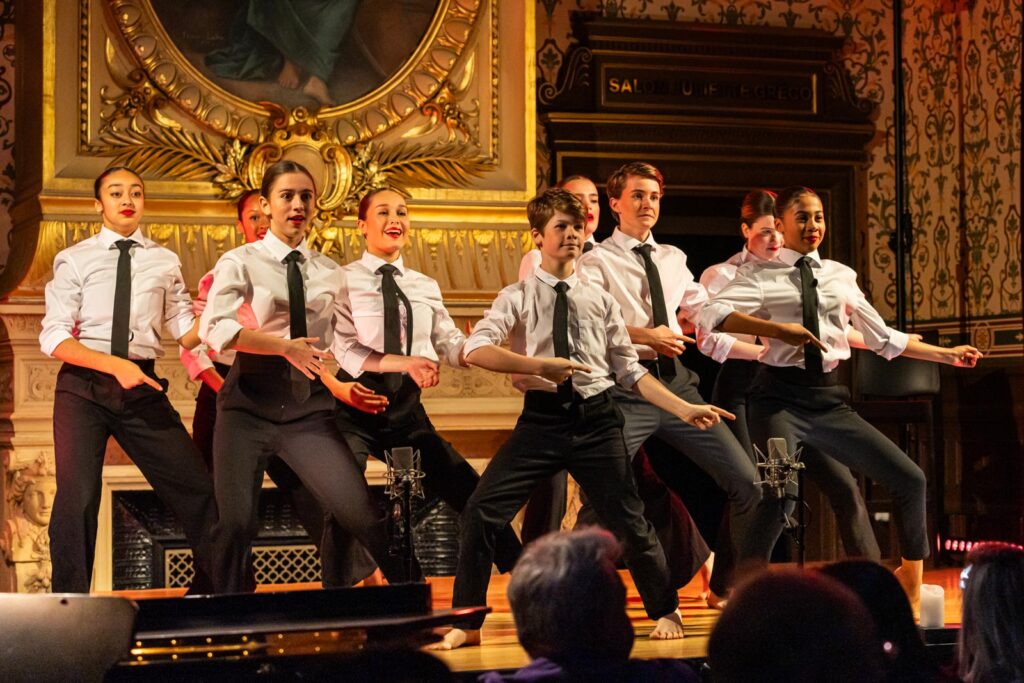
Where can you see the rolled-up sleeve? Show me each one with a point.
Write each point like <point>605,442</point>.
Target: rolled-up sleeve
<point>63,295</point>
<point>219,324</point>
<point>498,322</point>
<point>196,361</point>
<point>714,345</point>
<point>742,295</point>
<point>178,314</point>
<point>622,359</point>
<point>445,336</point>
<point>694,298</point>
<point>350,354</point>
<point>883,340</point>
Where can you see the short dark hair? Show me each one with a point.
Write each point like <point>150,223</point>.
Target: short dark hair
<point>98,183</point>
<point>279,169</point>
<point>364,203</point>
<point>616,182</point>
<point>756,204</point>
<point>567,598</point>
<point>991,641</point>
<point>569,178</point>
<point>242,200</point>
<point>793,625</point>
<point>542,207</point>
<point>791,195</point>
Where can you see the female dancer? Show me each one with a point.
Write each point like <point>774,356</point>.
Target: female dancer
<point>790,303</point>
<point>111,298</point>
<point>273,401</point>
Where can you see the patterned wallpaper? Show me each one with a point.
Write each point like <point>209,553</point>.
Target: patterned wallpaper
<point>964,132</point>
<point>6,125</point>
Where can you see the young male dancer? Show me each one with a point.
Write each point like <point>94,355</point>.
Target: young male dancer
<point>110,300</point>
<point>649,281</point>
<point>806,303</point>
<point>569,346</point>
<point>392,331</point>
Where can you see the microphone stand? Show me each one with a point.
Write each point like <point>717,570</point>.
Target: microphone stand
<point>404,482</point>
<point>901,240</point>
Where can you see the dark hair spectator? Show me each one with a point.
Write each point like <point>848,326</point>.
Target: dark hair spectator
<point>991,645</point>
<point>903,649</point>
<point>569,607</point>
<point>793,626</point>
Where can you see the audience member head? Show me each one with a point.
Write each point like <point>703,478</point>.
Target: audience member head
<point>757,215</point>
<point>903,650</point>
<point>991,646</point>
<point>567,599</point>
<point>796,627</point>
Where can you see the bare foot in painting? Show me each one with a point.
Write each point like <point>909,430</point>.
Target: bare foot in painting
<point>317,89</point>
<point>289,76</point>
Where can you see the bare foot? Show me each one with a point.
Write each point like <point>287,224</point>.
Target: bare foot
<point>669,627</point>
<point>375,579</point>
<point>317,89</point>
<point>716,601</point>
<point>289,76</point>
<point>457,638</point>
<point>910,575</point>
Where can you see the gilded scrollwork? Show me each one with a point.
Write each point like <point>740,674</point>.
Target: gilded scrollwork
<point>166,119</point>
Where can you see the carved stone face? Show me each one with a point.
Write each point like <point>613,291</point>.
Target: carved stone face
<point>38,500</point>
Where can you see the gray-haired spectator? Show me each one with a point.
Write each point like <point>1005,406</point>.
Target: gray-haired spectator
<point>569,607</point>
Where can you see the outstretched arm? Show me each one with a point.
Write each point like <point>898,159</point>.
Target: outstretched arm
<point>497,359</point>
<point>127,373</point>
<point>789,333</point>
<point>699,416</point>
<point>963,356</point>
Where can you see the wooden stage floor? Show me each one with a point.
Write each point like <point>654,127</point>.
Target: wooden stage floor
<point>501,650</point>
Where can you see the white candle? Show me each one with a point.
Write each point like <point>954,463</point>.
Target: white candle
<point>933,606</point>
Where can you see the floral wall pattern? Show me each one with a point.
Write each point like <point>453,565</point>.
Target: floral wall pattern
<point>963,85</point>
<point>6,125</point>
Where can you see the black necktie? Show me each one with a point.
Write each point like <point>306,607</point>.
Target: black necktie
<point>666,367</point>
<point>297,319</point>
<point>392,322</point>
<point>587,246</point>
<point>809,299</point>
<point>119,332</point>
<point>560,336</point>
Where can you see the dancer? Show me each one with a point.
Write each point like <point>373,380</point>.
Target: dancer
<point>649,281</point>
<point>738,355</point>
<point>569,346</point>
<point>111,297</point>
<point>273,401</point>
<point>392,331</point>
<point>802,297</point>
<point>211,368</point>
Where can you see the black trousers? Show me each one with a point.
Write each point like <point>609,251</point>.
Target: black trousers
<point>259,416</point>
<point>448,475</point>
<point>750,519</point>
<point>89,407</point>
<point>585,439</point>
<point>732,386</point>
<point>307,509</point>
<point>786,403</point>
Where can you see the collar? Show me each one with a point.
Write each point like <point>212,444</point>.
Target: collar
<point>591,239</point>
<point>372,263</point>
<point>108,237</point>
<point>550,280</point>
<point>627,243</point>
<point>790,257</point>
<point>278,249</point>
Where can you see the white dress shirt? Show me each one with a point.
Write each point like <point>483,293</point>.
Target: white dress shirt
<point>256,274</point>
<point>717,345</point>
<point>613,266</point>
<point>771,290</point>
<point>523,314</point>
<point>80,297</point>
<point>202,357</point>
<point>531,261</point>
<point>360,316</point>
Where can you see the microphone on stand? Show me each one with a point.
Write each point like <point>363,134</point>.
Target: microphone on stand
<point>404,481</point>
<point>778,468</point>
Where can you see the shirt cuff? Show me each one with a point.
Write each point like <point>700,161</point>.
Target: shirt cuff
<point>712,315</point>
<point>716,345</point>
<point>50,340</point>
<point>896,344</point>
<point>354,359</point>
<point>180,325</point>
<point>222,333</point>
<point>476,342</point>
<point>454,354</point>
<point>196,361</point>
